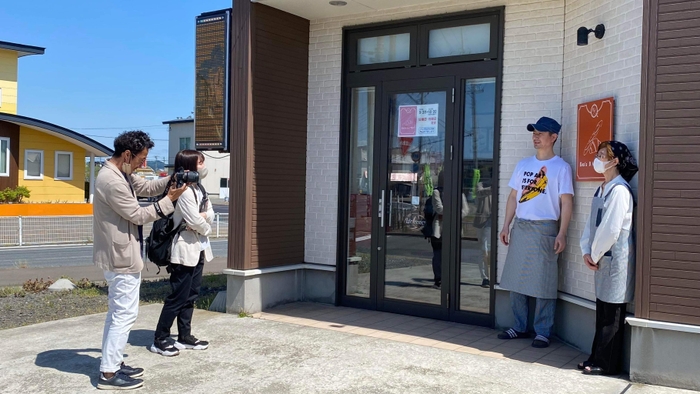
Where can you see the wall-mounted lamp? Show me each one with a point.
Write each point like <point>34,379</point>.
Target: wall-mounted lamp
<point>582,37</point>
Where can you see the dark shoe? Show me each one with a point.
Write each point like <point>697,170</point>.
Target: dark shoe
<point>119,381</point>
<point>166,347</point>
<point>437,284</point>
<point>512,334</point>
<point>485,283</point>
<point>591,370</point>
<point>540,342</point>
<point>131,372</point>
<point>584,364</point>
<point>190,342</point>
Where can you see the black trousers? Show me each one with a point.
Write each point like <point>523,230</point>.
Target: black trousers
<point>185,283</point>
<point>436,243</point>
<point>606,351</point>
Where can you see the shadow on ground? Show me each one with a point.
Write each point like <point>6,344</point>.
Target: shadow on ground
<point>75,361</point>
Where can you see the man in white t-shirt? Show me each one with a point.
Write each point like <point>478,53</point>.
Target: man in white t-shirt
<point>541,201</point>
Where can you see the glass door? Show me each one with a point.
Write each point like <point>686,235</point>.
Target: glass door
<point>415,215</point>
<point>477,184</point>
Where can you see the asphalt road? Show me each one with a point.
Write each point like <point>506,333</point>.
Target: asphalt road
<point>67,256</point>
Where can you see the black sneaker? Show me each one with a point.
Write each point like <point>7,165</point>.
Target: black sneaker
<point>130,371</point>
<point>166,347</point>
<point>119,381</point>
<point>190,342</point>
<point>485,283</point>
<point>512,334</point>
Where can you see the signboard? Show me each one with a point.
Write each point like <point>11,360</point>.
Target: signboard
<point>212,80</point>
<point>405,143</point>
<point>418,120</point>
<point>403,177</point>
<point>595,125</point>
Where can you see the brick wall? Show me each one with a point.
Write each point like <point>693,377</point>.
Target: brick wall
<point>533,58</point>
<point>542,70</point>
<point>604,68</point>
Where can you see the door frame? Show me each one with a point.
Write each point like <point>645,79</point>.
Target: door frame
<point>384,135</point>
<point>376,78</point>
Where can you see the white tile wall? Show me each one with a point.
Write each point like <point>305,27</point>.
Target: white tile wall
<point>545,74</point>
<point>604,68</point>
<point>533,59</point>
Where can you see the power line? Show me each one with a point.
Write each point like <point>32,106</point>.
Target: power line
<point>107,136</point>
<point>118,128</point>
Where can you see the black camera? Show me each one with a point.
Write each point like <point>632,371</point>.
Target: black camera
<point>182,177</point>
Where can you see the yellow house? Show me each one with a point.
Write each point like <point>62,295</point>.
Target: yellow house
<point>46,158</point>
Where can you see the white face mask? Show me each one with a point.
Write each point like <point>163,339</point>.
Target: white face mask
<point>203,172</point>
<point>600,166</point>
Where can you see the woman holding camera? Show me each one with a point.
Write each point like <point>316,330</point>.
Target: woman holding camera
<point>608,250</point>
<point>190,249</point>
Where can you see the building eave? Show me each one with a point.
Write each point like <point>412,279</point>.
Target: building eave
<point>91,146</point>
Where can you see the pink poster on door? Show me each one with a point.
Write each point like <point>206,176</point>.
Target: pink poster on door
<point>408,119</point>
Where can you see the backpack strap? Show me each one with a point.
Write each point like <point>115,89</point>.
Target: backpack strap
<point>627,186</point>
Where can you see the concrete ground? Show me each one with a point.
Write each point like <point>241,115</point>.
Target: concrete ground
<point>278,352</point>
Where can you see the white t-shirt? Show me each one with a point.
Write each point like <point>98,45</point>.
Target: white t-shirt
<point>539,184</point>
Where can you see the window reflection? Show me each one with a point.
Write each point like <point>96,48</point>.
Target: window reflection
<point>477,183</point>
<point>460,40</point>
<point>360,187</point>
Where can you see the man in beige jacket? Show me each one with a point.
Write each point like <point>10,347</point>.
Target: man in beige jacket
<point>117,216</point>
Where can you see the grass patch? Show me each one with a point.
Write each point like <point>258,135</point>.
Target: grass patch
<point>33,303</point>
<point>90,292</point>
<point>12,292</point>
<point>214,281</point>
<point>155,291</point>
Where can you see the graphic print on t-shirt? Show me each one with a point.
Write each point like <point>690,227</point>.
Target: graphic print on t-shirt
<point>533,187</point>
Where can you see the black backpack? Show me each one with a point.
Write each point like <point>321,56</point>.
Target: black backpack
<point>429,216</point>
<point>163,232</point>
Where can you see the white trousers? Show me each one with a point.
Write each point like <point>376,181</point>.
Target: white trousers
<point>123,309</point>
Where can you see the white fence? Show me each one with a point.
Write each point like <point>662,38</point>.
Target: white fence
<point>50,230</point>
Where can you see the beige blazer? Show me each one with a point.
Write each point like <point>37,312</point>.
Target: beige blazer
<point>191,242</point>
<point>117,215</point>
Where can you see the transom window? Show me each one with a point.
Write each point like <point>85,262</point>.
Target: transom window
<point>443,39</point>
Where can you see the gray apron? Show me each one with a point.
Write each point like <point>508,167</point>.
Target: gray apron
<point>531,265</point>
<point>614,280</point>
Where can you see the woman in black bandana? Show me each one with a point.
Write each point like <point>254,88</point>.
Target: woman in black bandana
<point>607,245</point>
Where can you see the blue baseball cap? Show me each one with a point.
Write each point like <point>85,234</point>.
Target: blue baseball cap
<point>545,124</point>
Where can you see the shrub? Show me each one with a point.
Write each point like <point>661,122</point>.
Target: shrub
<point>22,193</point>
<point>15,195</point>
<point>37,285</point>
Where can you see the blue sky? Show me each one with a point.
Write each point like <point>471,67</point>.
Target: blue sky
<point>109,66</point>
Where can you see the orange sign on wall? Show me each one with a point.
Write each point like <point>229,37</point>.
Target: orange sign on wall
<point>595,125</point>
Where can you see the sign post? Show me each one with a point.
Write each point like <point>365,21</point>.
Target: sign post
<point>595,125</point>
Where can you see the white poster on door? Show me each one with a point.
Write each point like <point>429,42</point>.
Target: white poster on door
<point>418,120</point>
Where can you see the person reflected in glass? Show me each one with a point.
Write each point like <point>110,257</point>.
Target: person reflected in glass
<point>607,245</point>
<point>482,223</point>
<point>436,238</point>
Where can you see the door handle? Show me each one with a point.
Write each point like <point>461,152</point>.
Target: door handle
<point>381,209</point>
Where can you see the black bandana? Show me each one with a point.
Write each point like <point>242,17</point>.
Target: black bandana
<point>628,165</point>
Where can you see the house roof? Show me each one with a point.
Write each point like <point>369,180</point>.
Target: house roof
<point>22,50</point>
<point>174,121</point>
<point>90,145</point>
